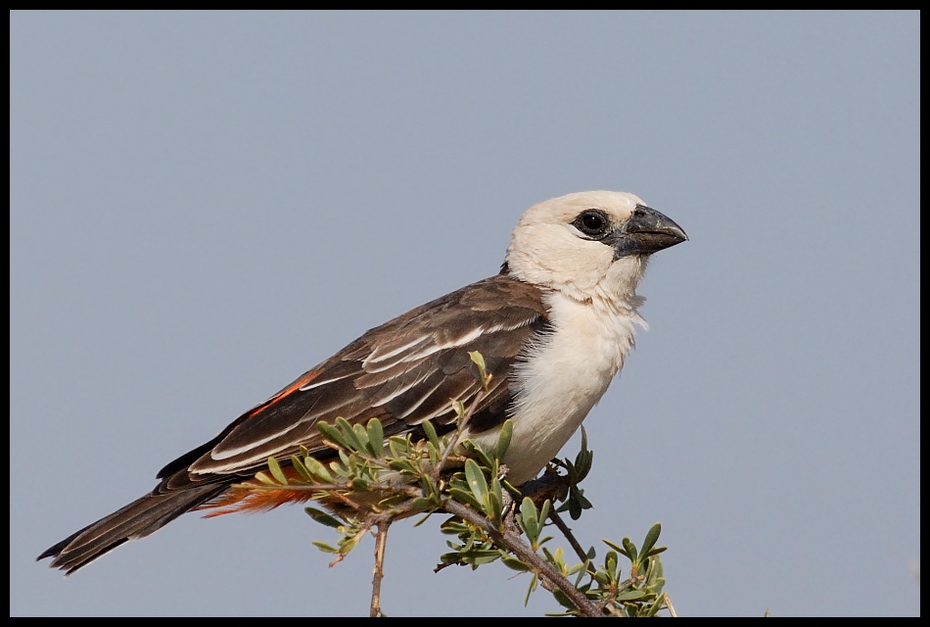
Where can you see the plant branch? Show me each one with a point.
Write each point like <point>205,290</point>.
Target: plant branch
<point>380,544</point>
<point>523,551</point>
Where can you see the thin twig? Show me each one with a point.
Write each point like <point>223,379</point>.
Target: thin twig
<point>671,608</point>
<point>454,439</point>
<point>608,602</point>
<point>380,544</point>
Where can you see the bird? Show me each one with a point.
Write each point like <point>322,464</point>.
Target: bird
<point>554,326</point>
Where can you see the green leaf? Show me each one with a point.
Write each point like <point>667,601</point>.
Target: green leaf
<point>318,470</point>
<point>402,465</point>
<point>654,580</point>
<point>359,484</point>
<point>610,565</point>
<point>323,518</point>
<point>376,437</point>
<point>503,440</point>
<point>473,449</point>
<point>630,549</point>
<point>583,502</point>
<point>346,545</point>
<point>466,497</point>
<point>276,471</point>
<point>348,432</point>
<point>655,607</point>
<point>325,547</point>
<point>583,460</point>
<point>477,482</point>
<point>361,434</point>
<point>577,502</point>
<point>577,568</point>
<point>496,501</point>
<point>534,583</point>
<point>301,469</point>
<point>514,564</point>
<point>333,434</point>
<point>544,510</point>
<point>574,508</point>
<point>421,504</point>
<point>481,556</point>
<point>529,520</point>
<point>563,600</point>
<point>478,359</point>
<point>430,432</point>
<point>262,477</point>
<point>652,537</point>
<point>397,447</point>
<point>619,549</point>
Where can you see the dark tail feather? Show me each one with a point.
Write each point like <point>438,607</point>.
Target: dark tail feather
<point>136,520</point>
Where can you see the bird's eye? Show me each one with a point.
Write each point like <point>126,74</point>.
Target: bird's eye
<point>592,222</point>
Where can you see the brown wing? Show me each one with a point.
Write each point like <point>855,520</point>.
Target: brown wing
<point>403,372</point>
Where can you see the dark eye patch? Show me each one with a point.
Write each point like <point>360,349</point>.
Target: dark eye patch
<point>592,222</point>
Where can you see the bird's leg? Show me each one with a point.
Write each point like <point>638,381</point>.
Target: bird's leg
<point>551,485</point>
<point>510,513</point>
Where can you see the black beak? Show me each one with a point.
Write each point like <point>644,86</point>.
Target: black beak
<point>647,231</point>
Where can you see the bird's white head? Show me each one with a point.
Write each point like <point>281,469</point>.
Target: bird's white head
<point>589,245</point>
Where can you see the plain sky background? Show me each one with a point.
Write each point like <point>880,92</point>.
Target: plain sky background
<point>205,205</point>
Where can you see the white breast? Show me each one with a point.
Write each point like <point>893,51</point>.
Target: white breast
<point>563,376</point>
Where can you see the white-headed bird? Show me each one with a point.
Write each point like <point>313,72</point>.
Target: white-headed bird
<point>553,327</point>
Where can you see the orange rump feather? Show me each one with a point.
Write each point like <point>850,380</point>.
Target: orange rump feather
<point>246,500</point>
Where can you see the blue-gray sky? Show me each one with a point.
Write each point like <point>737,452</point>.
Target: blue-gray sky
<point>203,206</point>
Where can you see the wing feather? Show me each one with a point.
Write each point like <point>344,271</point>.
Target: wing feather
<point>403,372</point>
